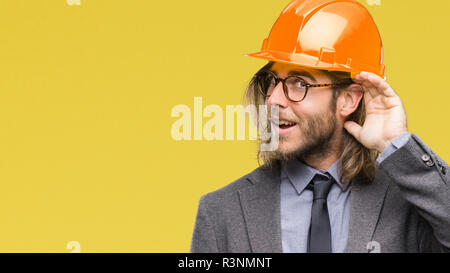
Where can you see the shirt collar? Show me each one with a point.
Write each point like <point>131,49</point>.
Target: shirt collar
<point>300,174</point>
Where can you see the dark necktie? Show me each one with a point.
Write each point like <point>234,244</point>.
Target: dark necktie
<point>319,240</point>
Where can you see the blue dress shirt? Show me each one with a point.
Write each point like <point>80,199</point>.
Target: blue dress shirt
<point>296,202</point>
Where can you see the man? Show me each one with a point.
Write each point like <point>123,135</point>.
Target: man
<point>347,176</point>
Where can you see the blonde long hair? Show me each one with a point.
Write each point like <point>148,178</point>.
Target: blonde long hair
<point>358,162</point>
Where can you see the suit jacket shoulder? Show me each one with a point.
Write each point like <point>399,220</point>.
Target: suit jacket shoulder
<point>232,218</point>
<point>258,177</point>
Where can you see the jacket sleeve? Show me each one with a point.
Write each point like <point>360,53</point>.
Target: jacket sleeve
<point>203,238</point>
<point>424,181</point>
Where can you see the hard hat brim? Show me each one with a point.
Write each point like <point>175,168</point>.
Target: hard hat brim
<point>305,60</point>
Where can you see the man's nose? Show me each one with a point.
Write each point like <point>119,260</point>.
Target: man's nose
<point>278,97</point>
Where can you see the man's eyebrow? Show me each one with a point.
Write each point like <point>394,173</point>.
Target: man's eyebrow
<point>302,73</point>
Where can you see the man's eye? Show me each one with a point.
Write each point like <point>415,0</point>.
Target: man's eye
<point>300,83</point>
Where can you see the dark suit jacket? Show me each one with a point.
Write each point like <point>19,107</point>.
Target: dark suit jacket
<point>405,209</point>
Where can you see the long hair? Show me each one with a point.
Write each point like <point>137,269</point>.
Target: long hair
<point>358,162</point>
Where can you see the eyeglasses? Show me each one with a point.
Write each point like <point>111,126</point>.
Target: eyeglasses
<point>295,88</point>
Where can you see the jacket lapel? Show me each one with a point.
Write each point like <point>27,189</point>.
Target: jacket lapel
<point>366,203</point>
<point>261,208</point>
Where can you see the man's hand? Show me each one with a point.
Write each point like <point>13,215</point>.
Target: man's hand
<point>385,114</point>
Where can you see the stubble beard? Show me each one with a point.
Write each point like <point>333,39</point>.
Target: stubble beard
<point>317,134</point>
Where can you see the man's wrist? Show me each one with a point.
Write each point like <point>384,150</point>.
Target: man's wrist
<point>386,143</point>
<point>383,147</point>
<point>397,143</point>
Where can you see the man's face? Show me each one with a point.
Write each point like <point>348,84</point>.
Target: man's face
<point>312,122</point>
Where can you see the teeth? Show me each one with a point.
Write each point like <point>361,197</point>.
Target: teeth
<point>283,122</point>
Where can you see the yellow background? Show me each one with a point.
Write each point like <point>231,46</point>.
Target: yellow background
<point>85,99</point>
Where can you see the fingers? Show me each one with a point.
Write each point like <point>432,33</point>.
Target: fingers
<point>362,79</point>
<point>374,84</point>
<point>353,128</point>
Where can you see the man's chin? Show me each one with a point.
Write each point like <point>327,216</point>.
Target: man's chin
<point>288,149</point>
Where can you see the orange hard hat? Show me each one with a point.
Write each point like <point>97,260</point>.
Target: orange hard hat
<point>335,35</point>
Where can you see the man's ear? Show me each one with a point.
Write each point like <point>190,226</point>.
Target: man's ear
<point>349,99</point>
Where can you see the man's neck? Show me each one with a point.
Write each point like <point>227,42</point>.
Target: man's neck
<point>324,159</point>
<point>321,163</point>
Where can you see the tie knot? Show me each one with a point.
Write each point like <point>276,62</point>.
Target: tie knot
<point>321,185</point>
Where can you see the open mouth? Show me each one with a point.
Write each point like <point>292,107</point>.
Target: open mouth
<point>283,124</point>
<point>286,126</point>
